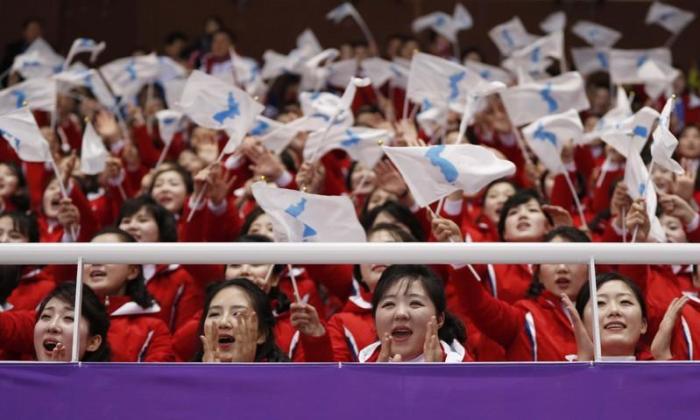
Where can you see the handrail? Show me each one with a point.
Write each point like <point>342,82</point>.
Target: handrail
<point>349,253</point>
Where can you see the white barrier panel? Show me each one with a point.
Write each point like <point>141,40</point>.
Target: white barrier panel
<point>350,253</point>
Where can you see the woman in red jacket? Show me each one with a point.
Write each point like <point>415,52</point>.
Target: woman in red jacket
<point>536,328</point>
<point>410,317</point>
<point>179,297</point>
<point>136,334</point>
<point>238,325</point>
<point>53,331</point>
<point>351,329</point>
<point>21,287</point>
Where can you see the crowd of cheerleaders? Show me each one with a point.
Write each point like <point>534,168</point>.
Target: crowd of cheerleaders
<point>360,313</point>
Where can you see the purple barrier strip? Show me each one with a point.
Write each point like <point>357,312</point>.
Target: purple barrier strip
<point>284,391</point>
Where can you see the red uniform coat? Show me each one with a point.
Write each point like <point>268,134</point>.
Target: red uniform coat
<point>34,285</point>
<point>177,295</point>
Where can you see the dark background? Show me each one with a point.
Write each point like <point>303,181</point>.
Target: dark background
<point>261,24</point>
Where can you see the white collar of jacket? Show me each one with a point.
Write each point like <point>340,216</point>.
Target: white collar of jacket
<point>356,297</point>
<point>455,352</point>
<point>133,308</point>
<point>5,306</point>
<point>31,274</point>
<point>150,270</point>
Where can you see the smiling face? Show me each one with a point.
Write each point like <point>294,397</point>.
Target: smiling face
<point>621,320</point>
<point>563,278</point>
<point>494,199</point>
<point>170,190</point>
<point>141,225</point>
<point>54,325</point>
<point>404,312</point>
<point>526,223</point>
<point>108,279</point>
<point>225,309</point>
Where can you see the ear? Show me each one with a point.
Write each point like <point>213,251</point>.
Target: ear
<point>133,272</point>
<point>274,279</point>
<point>644,326</point>
<point>440,320</point>
<point>94,343</point>
<point>262,336</point>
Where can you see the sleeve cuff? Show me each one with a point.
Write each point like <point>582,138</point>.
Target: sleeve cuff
<point>693,225</point>
<point>217,209</point>
<point>452,207</point>
<point>285,179</point>
<point>118,180</point>
<point>233,162</point>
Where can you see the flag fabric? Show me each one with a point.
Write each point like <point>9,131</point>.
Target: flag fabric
<point>639,186</point>
<point>401,69</point>
<point>658,78</point>
<point>440,22</point>
<point>275,135</point>
<point>595,34</point>
<point>554,22</point>
<point>590,60</point>
<point>341,12</point>
<point>669,17</point>
<point>315,70</point>
<point>461,18</point>
<point>548,135</point>
<point>90,79</point>
<point>169,69</point>
<point>32,64</point>
<point>47,53</point>
<point>173,91</point>
<point>626,64</point>
<point>488,72</point>
<point>37,93</point>
<point>528,102</point>
<point>629,136</point>
<point>436,171</point>
<point>83,45</point>
<point>361,144</point>
<point>128,75</point>
<point>211,103</point>
<point>93,153</point>
<point>612,120</point>
<point>510,35</point>
<point>19,128</point>
<point>533,57</point>
<point>308,43</point>
<point>168,124</point>
<point>440,81</point>
<point>665,142</point>
<point>341,72</point>
<point>378,70</point>
<point>302,217</point>
<point>319,109</point>
<point>247,72</point>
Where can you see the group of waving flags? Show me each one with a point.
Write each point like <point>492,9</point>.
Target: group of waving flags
<point>545,109</point>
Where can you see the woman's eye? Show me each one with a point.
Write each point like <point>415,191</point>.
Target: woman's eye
<point>213,314</point>
<point>45,317</point>
<point>68,318</point>
<point>601,303</point>
<point>387,305</point>
<point>416,304</point>
<point>627,302</point>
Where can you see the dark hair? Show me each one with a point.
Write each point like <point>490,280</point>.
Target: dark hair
<point>584,295</point>
<point>250,219</point>
<point>184,174</point>
<point>91,309</point>
<point>20,199</point>
<point>696,127</point>
<point>396,232</point>
<point>452,328</point>
<point>277,298</point>
<point>401,213</point>
<point>570,234</point>
<point>494,183</point>
<point>167,226</point>
<point>135,288</point>
<point>172,37</point>
<point>11,275</point>
<point>25,223</point>
<point>517,199</point>
<point>268,350</point>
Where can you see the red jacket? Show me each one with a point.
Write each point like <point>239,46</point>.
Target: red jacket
<point>529,330</point>
<point>347,332</point>
<point>685,341</point>
<point>136,334</point>
<point>176,293</point>
<point>307,289</point>
<point>34,285</point>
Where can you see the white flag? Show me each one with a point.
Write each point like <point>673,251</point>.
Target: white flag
<point>461,17</point>
<point>554,22</point>
<point>324,109</point>
<point>47,53</point>
<point>665,142</point>
<point>169,69</point>
<point>440,22</point>
<point>670,17</point>
<point>93,153</point>
<point>361,144</point>
<point>341,12</point>
<point>211,103</point>
<point>591,60</point>
<point>173,91</point>
<point>528,102</point>
<point>168,124</point>
<point>19,128</point>
<point>432,117</point>
<point>378,70</point>
<point>32,64</point>
<point>488,72</point>
<point>441,81</point>
<point>315,70</point>
<point>341,72</point>
<point>639,186</point>
<point>532,58</point>
<point>128,75</point>
<point>626,64</point>
<point>83,45</point>
<point>595,34</point>
<point>302,217</point>
<point>401,69</point>
<point>436,171</point>
<point>510,35</point>
<point>548,135</point>
<point>658,78</point>
<point>629,136</point>
<point>37,93</point>
<point>612,120</point>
